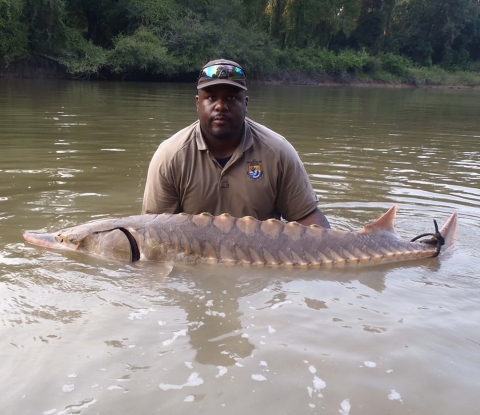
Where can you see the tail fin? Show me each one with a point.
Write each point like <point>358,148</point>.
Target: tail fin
<point>449,231</point>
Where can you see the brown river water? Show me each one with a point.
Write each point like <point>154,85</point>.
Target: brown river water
<point>86,335</point>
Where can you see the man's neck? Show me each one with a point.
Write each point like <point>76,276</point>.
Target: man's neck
<point>221,148</point>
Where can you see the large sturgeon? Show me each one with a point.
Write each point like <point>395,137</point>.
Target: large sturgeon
<point>205,238</point>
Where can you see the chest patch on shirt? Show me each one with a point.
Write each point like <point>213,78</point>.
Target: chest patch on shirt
<point>254,169</point>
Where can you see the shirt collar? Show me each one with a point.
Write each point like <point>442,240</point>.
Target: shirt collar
<point>245,143</point>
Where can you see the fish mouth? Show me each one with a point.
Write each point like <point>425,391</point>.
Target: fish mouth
<point>47,240</point>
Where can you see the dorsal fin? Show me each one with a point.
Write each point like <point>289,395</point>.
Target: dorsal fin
<point>384,222</point>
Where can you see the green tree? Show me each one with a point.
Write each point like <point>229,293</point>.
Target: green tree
<point>46,24</point>
<point>143,51</point>
<point>95,19</point>
<point>427,30</point>
<point>304,23</point>
<point>373,25</point>
<point>13,31</point>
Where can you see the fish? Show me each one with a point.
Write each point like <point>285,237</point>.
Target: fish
<point>224,239</point>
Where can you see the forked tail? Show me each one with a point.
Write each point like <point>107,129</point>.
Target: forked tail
<point>449,231</point>
<point>443,238</point>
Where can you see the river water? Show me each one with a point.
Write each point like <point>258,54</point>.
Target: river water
<point>85,335</point>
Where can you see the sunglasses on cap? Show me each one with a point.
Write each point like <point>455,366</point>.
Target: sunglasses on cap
<point>222,71</point>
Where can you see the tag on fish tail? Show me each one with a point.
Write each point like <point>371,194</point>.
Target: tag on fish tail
<point>436,239</point>
<point>384,222</point>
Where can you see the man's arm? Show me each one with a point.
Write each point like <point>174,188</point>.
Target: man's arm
<point>160,194</point>
<point>315,218</point>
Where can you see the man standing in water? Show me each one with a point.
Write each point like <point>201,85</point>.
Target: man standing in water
<point>227,163</point>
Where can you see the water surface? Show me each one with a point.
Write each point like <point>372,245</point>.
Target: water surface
<point>81,334</point>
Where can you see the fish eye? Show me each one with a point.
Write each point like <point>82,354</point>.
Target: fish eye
<point>59,238</point>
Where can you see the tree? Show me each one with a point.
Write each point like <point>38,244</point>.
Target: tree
<point>13,31</point>
<point>427,30</point>
<point>305,23</point>
<point>373,25</point>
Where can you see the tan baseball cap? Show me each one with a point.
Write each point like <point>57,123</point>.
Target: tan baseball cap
<point>222,71</point>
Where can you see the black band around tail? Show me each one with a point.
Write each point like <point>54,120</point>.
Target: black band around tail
<point>437,239</point>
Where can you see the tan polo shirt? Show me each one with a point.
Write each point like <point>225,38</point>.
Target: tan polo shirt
<point>265,178</point>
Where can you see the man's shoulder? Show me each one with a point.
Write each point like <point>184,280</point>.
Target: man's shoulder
<point>260,132</point>
<point>179,140</point>
<point>269,138</point>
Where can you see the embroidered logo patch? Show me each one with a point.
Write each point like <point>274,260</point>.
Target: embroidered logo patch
<point>254,169</point>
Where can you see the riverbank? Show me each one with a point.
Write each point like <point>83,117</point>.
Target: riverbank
<point>418,77</point>
<point>406,77</point>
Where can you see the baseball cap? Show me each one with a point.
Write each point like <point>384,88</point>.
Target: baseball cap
<point>222,71</point>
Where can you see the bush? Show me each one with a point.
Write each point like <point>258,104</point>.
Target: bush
<point>83,57</point>
<point>373,65</point>
<point>314,61</point>
<point>143,51</point>
<point>395,64</point>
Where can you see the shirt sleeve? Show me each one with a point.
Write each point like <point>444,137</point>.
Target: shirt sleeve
<point>161,195</point>
<point>296,197</point>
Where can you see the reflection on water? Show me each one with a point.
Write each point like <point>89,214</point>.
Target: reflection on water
<point>87,335</point>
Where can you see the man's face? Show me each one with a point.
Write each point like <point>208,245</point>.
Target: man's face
<point>221,111</point>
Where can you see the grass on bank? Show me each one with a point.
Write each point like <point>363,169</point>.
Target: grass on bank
<point>140,58</point>
<point>320,66</point>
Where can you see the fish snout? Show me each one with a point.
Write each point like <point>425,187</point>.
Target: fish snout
<point>48,240</point>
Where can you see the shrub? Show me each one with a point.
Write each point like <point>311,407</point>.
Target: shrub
<point>395,64</point>
<point>373,65</point>
<point>143,51</point>
<point>83,57</point>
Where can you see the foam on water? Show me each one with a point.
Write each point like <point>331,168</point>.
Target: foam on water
<point>176,335</point>
<point>193,380</point>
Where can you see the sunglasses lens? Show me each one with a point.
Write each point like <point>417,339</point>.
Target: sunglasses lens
<point>223,71</point>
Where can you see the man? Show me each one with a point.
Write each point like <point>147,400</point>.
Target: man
<point>227,163</point>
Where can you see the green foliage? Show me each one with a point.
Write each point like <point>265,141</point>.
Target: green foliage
<point>143,51</point>
<point>13,32</point>
<point>351,61</point>
<point>394,64</point>
<point>84,58</point>
<point>373,65</point>
<point>427,31</point>
<point>312,61</point>
<point>151,13</point>
<point>46,23</point>
<point>97,20</point>
<point>305,23</point>
<point>193,40</point>
<point>294,38</point>
<point>437,76</point>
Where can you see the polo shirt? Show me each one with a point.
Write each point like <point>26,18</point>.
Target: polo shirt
<point>264,178</point>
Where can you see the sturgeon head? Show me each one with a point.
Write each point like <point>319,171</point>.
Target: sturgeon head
<point>110,238</point>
